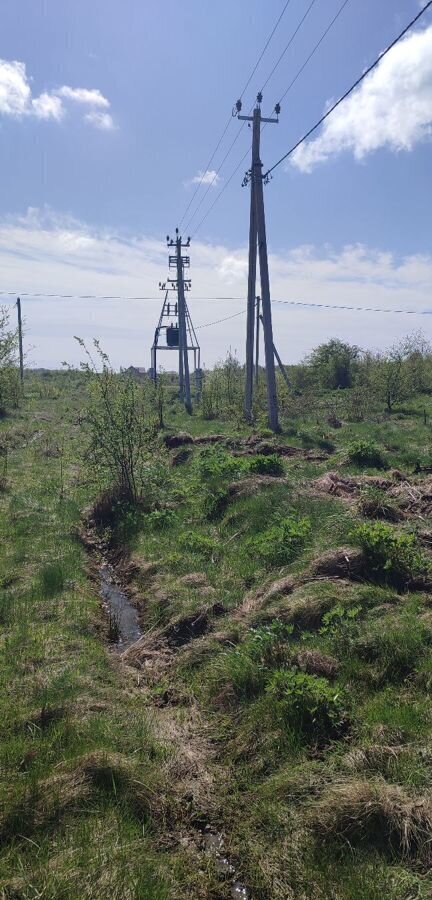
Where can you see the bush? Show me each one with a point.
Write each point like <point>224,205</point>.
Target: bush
<point>393,556</point>
<point>310,704</point>
<point>266,465</point>
<point>280,544</point>
<point>162,518</point>
<point>366,453</point>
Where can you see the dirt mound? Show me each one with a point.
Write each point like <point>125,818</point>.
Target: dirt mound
<point>414,499</point>
<point>345,562</point>
<point>316,663</point>
<point>181,456</point>
<point>347,486</point>
<point>186,629</point>
<point>172,441</point>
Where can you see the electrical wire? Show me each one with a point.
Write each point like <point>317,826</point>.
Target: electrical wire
<point>311,4</point>
<point>207,168</point>
<point>215,176</point>
<point>312,53</point>
<point>374,309</point>
<point>349,91</point>
<point>218,321</point>
<point>219,195</point>
<point>100,297</point>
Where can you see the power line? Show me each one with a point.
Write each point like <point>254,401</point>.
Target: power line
<point>265,48</point>
<point>219,195</point>
<point>312,53</point>
<point>225,319</point>
<point>374,309</point>
<point>99,297</point>
<point>207,168</point>
<point>311,4</point>
<point>350,90</point>
<point>215,176</point>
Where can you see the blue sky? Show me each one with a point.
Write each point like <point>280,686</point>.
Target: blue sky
<point>119,107</point>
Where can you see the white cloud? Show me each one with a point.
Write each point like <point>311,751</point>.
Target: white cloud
<point>89,97</point>
<point>210,176</point>
<point>392,108</point>
<point>46,106</point>
<point>15,91</point>
<point>47,252</point>
<point>17,102</point>
<point>100,120</point>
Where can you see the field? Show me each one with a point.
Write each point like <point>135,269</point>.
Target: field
<point>268,736</point>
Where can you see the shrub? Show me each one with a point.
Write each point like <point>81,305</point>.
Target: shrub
<point>310,704</point>
<point>340,625</point>
<point>162,518</point>
<point>266,465</point>
<point>280,544</point>
<point>365,453</point>
<point>393,556</point>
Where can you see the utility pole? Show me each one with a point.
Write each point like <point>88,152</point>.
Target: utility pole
<point>181,262</point>
<point>258,319</point>
<point>257,235</point>
<point>281,366</point>
<point>20,342</point>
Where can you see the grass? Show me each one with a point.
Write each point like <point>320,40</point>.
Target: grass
<point>297,721</point>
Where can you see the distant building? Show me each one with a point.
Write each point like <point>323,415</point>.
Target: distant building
<point>137,371</point>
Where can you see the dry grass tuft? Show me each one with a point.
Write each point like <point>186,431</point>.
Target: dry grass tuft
<point>316,663</point>
<point>376,814</point>
<point>345,562</point>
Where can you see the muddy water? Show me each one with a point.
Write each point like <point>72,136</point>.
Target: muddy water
<point>214,845</point>
<point>123,614</point>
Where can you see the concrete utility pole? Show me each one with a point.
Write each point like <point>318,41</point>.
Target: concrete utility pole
<point>258,319</point>
<point>20,342</point>
<point>180,262</point>
<point>257,234</point>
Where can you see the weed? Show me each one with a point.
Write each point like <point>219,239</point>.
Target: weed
<point>392,556</point>
<point>266,465</point>
<point>52,579</point>
<point>282,542</point>
<point>310,704</point>
<point>365,454</point>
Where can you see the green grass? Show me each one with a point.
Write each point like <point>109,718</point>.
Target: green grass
<point>104,781</point>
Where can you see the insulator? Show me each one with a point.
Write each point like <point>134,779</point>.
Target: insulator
<point>277,108</point>
<point>239,106</point>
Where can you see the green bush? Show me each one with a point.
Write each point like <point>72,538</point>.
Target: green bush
<point>393,557</point>
<point>282,542</point>
<point>365,453</point>
<point>310,704</point>
<point>266,465</point>
<point>162,518</point>
<point>340,626</point>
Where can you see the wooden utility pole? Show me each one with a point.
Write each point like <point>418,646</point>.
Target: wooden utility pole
<point>281,366</point>
<point>20,342</point>
<point>257,200</point>
<point>258,319</point>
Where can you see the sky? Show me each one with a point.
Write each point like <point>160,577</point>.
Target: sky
<point>109,115</point>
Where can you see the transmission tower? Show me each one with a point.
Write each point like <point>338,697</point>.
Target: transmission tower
<point>176,322</point>
<point>258,241</point>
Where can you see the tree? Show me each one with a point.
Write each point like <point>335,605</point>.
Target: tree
<point>9,375</point>
<point>334,364</point>
<point>390,376</point>
<point>121,434</point>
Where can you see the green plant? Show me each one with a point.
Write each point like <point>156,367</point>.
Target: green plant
<point>162,518</point>
<point>393,556</point>
<point>282,542</point>
<point>52,579</point>
<point>197,543</point>
<point>365,453</point>
<point>266,465</point>
<point>215,463</point>
<point>310,704</point>
<point>340,625</point>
